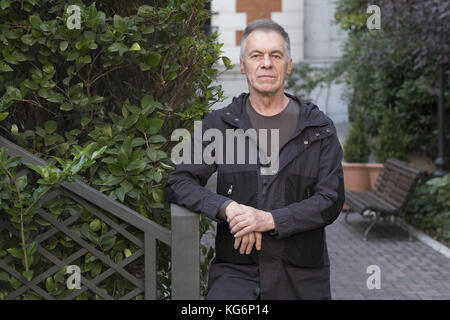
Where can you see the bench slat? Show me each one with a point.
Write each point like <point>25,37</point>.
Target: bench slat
<point>403,165</point>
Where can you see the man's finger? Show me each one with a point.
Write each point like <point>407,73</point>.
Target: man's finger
<point>244,244</point>
<point>237,242</point>
<point>235,220</point>
<point>239,226</point>
<point>258,236</point>
<point>243,232</point>
<point>250,243</point>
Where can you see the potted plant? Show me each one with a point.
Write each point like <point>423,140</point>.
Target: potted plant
<point>356,155</point>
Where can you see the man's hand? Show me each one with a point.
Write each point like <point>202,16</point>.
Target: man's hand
<point>247,241</point>
<point>244,219</point>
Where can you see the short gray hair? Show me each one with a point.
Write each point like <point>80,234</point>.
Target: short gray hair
<point>265,25</point>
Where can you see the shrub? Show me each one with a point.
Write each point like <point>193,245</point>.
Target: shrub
<point>429,208</point>
<point>132,73</point>
<point>396,66</point>
<point>356,146</point>
<point>392,142</point>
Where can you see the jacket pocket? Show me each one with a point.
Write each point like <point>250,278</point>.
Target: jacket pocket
<point>225,251</point>
<point>239,186</point>
<point>305,249</point>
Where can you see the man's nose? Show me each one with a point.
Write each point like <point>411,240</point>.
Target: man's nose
<point>267,62</point>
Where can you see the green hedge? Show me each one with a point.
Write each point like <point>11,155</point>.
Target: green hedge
<point>132,73</point>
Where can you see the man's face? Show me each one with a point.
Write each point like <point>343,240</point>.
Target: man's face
<point>265,62</point>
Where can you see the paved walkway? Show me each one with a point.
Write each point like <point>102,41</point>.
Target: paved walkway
<point>408,269</point>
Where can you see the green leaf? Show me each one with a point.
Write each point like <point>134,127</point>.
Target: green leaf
<point>227,62</point>
<point>63,45</point>
<point>28,274</point>
<point>155,125</point>
<point>148,104</point>
<point>95,225</point>
<point>137,164</point>
<point>157,176</point>
<point>85,120</point>
<point>4,67</point>
<point>28,39</point>
<point>113,181</point>
<point>120,24</point>
<point>31,248</point>
<point>127,252</point>
<point>48,68</point>
<point>4,4</point>
<point>118,47</point>
<point>158,195</point>
<point>49,284</point>
<point>98,152</point>
<point>90,258</point>
<point>120,193</point>
<point>3,115</point>
<point>128,122</point>
<point>15,129</point>
<point>135,47</point>
<point>66,106</point>
<point>22,182</point>
<point>14,93</point>
<point>108,242</point>
<point>4,277</point>
<point>16,252</point>
<point>172,76</point>
<point>157,139</point>
<point>35,21</point>
<point>148,29</point>
<point>12,162</point>
<point>15,283</point>
<point>153,59</point>
<point>73,55</point>
<point>51,126</point>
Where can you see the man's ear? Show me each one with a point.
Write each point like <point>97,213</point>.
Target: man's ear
<point>241,63</point>
<point>289,68</point>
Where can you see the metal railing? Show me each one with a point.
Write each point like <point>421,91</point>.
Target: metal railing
<point>183,240</point>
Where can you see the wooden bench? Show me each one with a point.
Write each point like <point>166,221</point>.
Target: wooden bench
<point>388,197</point>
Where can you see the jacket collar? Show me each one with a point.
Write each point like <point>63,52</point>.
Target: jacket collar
<point>310,115</point>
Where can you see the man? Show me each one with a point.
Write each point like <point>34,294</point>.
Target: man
<point>270,241</point>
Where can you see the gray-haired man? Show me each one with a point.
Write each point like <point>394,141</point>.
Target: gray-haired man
<point>270,241</point>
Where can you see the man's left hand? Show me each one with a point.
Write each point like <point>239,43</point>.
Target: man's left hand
<point>251,220</point>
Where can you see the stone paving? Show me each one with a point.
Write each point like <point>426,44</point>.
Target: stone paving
<point>408,269</point>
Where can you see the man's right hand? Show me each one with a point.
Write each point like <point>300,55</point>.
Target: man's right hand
<point>248,240</point>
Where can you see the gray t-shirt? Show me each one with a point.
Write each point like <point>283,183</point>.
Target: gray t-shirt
<point>286,121</point>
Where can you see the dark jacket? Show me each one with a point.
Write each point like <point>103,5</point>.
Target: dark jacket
<point>305,195</point>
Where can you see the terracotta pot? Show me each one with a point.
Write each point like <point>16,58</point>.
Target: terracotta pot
<point>356,177</point>
<point>360,177</point>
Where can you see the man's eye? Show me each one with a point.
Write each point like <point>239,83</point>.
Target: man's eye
<point>276,56</point>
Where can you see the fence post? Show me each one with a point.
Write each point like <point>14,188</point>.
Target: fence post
<point>185,254</point>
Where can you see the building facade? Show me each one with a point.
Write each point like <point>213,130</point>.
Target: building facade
<point>314,37</point>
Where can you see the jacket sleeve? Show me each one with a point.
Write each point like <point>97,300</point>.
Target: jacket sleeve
<point>186,186</point>
<point>326,202</point>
